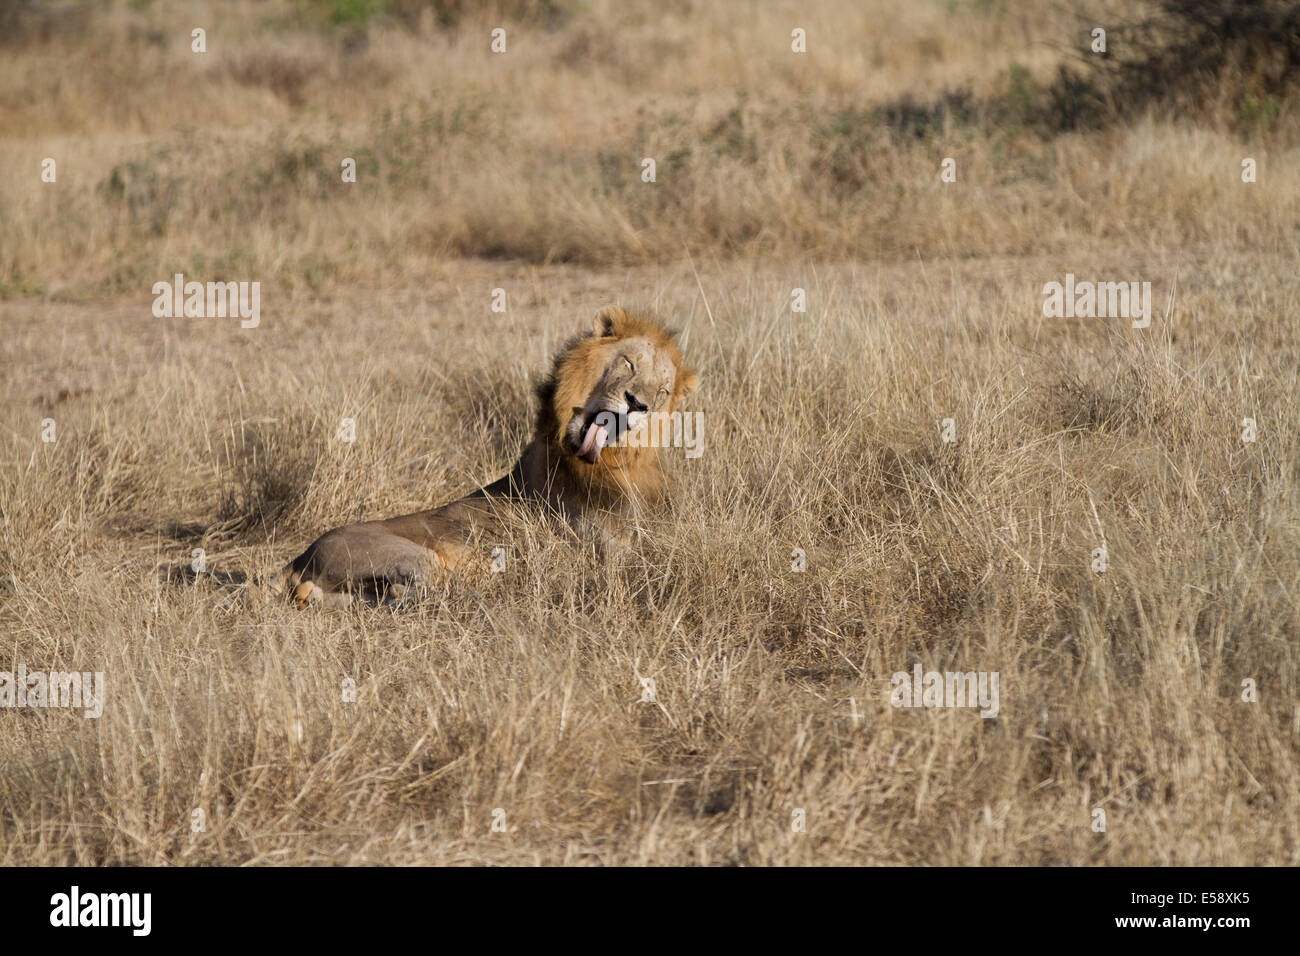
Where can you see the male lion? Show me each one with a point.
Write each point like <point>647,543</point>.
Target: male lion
<point>590,462</point>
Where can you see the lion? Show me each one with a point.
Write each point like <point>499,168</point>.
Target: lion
<point>590,462</point>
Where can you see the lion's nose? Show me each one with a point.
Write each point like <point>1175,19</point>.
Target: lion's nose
<point>634,404</point>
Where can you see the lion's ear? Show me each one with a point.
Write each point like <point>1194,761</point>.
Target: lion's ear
<point>609,321</point>
<point>687,383</point>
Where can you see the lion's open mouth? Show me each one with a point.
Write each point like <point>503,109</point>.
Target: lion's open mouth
<point>594,438</point>
<point>598,431</point>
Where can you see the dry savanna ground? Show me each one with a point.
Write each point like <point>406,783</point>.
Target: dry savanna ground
<point>1161,691</point>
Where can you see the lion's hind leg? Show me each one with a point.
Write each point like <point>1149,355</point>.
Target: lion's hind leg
<point>361,560</point>
<point>309,592</point>
<point>299,588</point>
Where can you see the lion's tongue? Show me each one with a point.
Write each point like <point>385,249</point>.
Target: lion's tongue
<point>596,438</point>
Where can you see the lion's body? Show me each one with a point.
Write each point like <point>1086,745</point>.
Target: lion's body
<point>566,469</point>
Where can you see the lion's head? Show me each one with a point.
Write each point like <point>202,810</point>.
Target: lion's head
<point>606,385</point>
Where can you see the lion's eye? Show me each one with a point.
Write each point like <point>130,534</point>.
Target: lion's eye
<point>628,362</point>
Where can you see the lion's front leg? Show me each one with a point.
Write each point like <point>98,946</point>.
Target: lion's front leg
<point>607,540</point>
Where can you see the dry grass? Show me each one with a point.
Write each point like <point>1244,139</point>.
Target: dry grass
<point>1120,690</point>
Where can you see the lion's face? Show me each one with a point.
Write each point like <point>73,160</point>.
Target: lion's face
<point>609,385</point>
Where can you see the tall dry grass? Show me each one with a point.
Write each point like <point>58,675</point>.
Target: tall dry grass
<point>227,163</point>
<point>1119,691</point>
